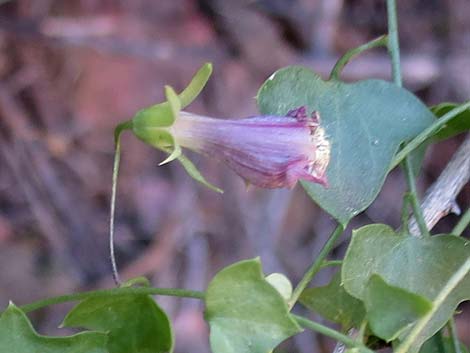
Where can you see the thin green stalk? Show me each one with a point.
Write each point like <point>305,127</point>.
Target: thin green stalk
<point>427,133</point>
<point>405,214</point>
<point>418,213</point>
<point>117,157</point>
<point>394,50</point>
<point>324,330</point>
<point>331,263</point>
<point>316,265</point>
<point>393,43</point>
<point>453,335</point>
<point>173,292</point>
<point>351,54</point>
<point>463,223</point>
<point>456,278</point>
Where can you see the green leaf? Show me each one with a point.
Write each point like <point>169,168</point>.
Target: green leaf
<point>196,85</point>
<point>391,309</point>
<point>457,125</point>
<point>441,344</point>
<point>246,314</point>
<point>17,335</point>
<point>135,323</point>
<point>334,303</point>
<point>419,265</point>
<point>365,123</point>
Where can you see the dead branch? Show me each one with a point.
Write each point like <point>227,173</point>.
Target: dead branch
<point>439,200</point>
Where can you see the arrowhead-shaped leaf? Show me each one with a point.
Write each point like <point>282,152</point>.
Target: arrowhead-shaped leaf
<point>135,323</point>
<point>246,314</point>
<point>419,265</point>
<point>365,122</point>
<point>334,303</point>
<point>17,335</point>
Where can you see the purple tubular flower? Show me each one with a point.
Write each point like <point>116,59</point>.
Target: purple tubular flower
<point>266,151</point>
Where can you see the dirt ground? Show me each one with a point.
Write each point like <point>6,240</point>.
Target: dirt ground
<point>71,70</point>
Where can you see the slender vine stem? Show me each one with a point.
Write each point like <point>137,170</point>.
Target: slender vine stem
<point>456,278</point>
<point>331,263</point>
<point>393,42</point>
<point>351,54</point>
<point>348,341</point>
<point>394,51</point>
<point>316,265</point>
<point>173,292</point>
<point>405,215</point>
<point>463,223</point>
<point>117,157</point>
<point>413,198</point>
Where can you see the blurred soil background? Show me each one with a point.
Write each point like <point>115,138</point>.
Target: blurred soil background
<point>71,70</point>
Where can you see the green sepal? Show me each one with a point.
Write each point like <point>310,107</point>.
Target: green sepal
<point>193,171</point>
<point>164,114</point>
<point>198,82</point>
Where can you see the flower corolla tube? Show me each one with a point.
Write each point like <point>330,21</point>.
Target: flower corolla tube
<point>266,151</point>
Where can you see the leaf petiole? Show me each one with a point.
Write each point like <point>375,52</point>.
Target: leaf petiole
<point>172,292</point>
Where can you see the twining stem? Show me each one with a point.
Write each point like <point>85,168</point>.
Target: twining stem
<point>348,341</point>
<point>351,54</point>
<point>415,204</point>
<point>173,292</point>
<point>393,43</point>
<point>456,278</point>
<point>463,223</point>
<point>394,51</point>
<point>331,263</point>
<point>453,335</point>
<point>428,132</point>
<point>405,215</point>
<point>316,265</point>
<point>117,157</point>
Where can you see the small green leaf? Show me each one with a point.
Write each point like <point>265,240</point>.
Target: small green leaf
<point>390,310</point>
<point>17,335</point>
<point>135,323</point>
<point>419,265</point>
<point>334,303</point>
<point>365,122</point>
<point>196,85</point>
<point>246,314</point>
<point>457,125</point>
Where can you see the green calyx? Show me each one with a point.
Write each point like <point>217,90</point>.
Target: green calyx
<point>151,124</point>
